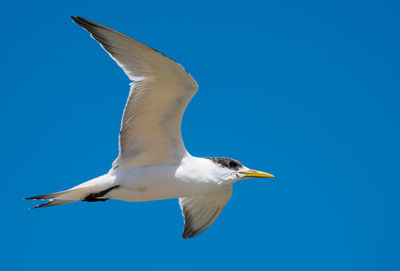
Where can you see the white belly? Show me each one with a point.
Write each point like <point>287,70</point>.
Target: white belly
<point>157,182</point>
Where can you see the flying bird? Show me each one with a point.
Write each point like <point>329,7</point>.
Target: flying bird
<point>153,163</point>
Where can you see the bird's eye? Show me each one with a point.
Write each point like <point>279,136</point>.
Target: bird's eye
<point>233,164</point>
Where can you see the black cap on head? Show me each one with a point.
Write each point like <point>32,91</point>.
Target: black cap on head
<point>226,162</point>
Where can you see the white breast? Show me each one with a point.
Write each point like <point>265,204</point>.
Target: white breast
<point>191,177</point>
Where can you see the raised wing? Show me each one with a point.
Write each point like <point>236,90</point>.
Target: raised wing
<point>151,124</point>
<point>202,210</point>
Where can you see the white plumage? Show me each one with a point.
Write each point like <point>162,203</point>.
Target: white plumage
<point>153,163</point>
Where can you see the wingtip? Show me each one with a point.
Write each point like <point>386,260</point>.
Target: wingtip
<point>79,20</point>
<point>189,235</point>
<point>85,23</point>
<point>74,18</point>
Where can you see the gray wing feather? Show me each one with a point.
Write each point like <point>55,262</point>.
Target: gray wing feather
<point>150,127</point>
<point>201,211</point>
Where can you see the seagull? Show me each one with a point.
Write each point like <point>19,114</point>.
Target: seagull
<point>153,163</point>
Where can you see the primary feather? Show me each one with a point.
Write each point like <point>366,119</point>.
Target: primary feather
<point>150,129</point>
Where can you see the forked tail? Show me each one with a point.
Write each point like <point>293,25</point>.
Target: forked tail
<point>84,192</point>
<point>58,198</point>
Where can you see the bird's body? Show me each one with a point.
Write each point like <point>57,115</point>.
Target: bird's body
<point>153,163</point>
<point>190,177</point>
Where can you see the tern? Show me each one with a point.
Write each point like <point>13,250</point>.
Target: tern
<point>153,163</point>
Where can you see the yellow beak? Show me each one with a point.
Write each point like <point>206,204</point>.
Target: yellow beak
<point>256,174</point>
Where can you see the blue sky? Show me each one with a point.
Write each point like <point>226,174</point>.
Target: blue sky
<point>306,90</point>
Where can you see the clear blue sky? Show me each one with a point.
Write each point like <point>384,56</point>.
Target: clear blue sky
<point>306,90</point>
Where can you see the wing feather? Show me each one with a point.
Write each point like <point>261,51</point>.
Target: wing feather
<point>151,123</point>
<point>202,210</point>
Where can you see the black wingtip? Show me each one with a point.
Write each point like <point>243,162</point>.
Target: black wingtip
<point>85,23</point>
<point>74,18</point>
<point>80,21</point>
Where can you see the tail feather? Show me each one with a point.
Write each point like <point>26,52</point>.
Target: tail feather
<point>52,202</point>
<point>93,190</point>
<point>57,198</point>
<point>48,196</point>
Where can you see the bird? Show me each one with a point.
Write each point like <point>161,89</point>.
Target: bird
<point>153,163</point>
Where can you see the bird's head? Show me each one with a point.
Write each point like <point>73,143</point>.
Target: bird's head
<point>232,170</point>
